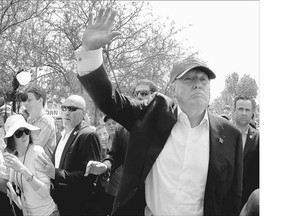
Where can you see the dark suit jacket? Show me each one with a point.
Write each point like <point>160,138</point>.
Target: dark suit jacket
<point>251,164</point>
<point>150,124</point>
<point>72,191</point>
<point>119,146</point>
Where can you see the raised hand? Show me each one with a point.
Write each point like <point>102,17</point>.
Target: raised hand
<point>95,167</point>
<point>99,34</point>
<point>13,162</point>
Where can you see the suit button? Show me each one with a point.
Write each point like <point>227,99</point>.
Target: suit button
<point>118,204</point>
<point>135,189</point>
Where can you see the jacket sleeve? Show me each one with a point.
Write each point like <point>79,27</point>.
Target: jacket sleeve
<point>117,153</point>
<point>122,109</point>
<point>88,149</point>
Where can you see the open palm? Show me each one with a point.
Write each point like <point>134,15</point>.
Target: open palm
<point>99,34</point>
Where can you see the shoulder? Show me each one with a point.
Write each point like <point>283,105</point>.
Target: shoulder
<point>86,131</point>
<point>36,149</point>
<point>45,121</point>
<point>222,124</point>
<point>160,100</point>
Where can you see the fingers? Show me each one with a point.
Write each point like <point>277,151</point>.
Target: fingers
<point>46,157</point>
<point>90,19</point>
<point>99,16</point>
<point>106,15</point>
<point>111,19</point>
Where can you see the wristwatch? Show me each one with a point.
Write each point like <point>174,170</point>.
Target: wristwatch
<point>30,178</point>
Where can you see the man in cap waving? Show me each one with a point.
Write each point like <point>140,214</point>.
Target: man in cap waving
<point>180,159</point>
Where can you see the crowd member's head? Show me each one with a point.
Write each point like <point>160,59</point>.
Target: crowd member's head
<point>190,80</point>
<point>110,125</point>
<point>73,111</point>
<point>242,111</point>
<point>17,132</point>
<point>102,135</point>
<point>143,89</point>
<point>36,100</point>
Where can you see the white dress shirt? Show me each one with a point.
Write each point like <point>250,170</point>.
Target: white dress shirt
<point>61,145</point>
<point>176,183</point>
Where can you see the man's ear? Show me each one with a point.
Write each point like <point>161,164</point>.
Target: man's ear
<point>173,89</point>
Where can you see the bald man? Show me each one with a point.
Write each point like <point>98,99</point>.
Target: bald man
<point>73,192</point>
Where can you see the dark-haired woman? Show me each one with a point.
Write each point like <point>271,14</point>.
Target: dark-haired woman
<point>20,157</point>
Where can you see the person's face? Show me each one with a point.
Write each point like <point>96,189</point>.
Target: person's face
<point>21,137</point>
<point>110,125</point>
<point>142,92</point>
<point>192,90</point>
<point>32,104</point>
<point>243,112</point>
<point>103,136</point>
<point>71,114</point>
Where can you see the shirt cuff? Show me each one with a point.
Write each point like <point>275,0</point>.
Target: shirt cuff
<point>88,61</point>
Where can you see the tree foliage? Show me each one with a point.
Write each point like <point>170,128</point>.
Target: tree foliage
<point>245,86</point>
<point>41,36</point>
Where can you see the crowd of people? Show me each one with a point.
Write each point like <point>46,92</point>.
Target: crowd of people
<point>150,154</point>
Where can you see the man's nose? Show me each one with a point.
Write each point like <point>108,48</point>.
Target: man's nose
<point>196,83</point>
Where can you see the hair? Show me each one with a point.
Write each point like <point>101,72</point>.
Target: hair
<point>151,84</point>
<point>243,98</point>
<point>10,143</point>
<point>38,93</point>
<point>99,127</point>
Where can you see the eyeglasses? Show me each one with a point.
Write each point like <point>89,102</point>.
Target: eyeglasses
<point>69,108</point>
<point>19,133</point>
<point>143,93</point>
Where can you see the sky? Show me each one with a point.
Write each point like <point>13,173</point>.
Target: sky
<point>226,34</point>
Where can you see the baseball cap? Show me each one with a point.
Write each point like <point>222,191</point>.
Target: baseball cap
<point>14,122</point>
<point>182,67</point>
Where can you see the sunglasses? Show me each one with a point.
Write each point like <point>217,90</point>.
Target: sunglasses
<point>143,93</point>
<point>69,108</point>
<point>19,133</point>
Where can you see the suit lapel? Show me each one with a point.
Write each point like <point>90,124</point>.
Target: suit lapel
<point>69,142</point>
<point>217,143</point>
<point>167,120</point>
<point>248,141</point>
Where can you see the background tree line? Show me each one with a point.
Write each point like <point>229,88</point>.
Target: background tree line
<point>41,36</point>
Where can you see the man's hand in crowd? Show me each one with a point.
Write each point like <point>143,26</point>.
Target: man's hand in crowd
<point>46,165</point>
<point>95,167</point>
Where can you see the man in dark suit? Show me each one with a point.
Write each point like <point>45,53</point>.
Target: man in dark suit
<point>73,192</point>
<point>243,112</point>
<point>180,159</point>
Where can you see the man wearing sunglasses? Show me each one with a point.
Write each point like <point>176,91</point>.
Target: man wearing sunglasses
<point>79,144</point>
<point>143,89</point>
<point>180,159</point>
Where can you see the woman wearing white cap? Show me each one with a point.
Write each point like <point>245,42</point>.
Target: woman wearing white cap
<point>20,157</point>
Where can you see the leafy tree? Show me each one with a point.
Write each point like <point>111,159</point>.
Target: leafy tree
<point>44,44</point>
<point>234,87</point>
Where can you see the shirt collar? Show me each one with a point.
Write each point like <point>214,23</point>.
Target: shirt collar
<point>181,113</point>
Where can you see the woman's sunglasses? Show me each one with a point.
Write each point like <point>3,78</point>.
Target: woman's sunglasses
<point>19,133</point>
